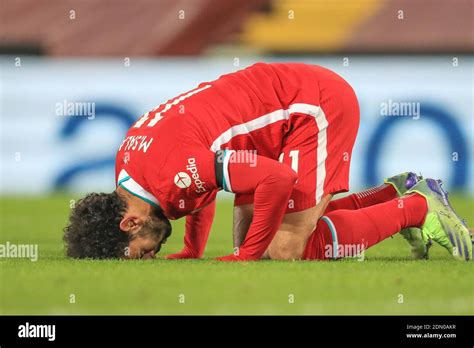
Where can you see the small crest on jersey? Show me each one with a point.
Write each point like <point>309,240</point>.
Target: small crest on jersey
<point>182,180</point>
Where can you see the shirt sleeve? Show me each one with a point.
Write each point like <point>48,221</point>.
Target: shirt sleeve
<point>272,183</point>
<point>185,183</point>
<point>202,171</point>
<point>198,226</point>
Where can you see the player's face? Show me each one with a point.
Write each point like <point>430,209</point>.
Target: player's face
<point>146,243</point>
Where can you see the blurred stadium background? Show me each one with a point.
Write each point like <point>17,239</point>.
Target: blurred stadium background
<point>124,57</point>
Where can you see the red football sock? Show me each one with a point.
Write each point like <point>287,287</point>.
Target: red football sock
<point>362,228</point>
<point>366,198</point>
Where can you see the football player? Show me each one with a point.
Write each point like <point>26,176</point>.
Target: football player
<point>278,136</point>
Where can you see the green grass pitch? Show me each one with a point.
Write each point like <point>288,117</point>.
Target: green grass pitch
<point>386,282</point>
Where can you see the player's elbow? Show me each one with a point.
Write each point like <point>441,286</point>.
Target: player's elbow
<point>282,182</point>
<point>287,177</point>
<point>293,176</point>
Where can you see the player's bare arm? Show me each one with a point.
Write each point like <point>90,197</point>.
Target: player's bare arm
<point>290,240</point>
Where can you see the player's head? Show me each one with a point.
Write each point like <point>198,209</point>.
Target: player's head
<point>115,225</point>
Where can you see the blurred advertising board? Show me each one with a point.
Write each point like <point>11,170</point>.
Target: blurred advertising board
<point>62,120</point>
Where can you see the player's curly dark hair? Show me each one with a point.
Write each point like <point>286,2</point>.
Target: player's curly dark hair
<point>93,230</point>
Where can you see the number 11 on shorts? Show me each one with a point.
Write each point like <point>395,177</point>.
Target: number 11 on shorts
<point>294,154</point>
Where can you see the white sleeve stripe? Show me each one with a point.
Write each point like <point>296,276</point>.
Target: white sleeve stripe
<point>263,121</point>
<point>127,182</point>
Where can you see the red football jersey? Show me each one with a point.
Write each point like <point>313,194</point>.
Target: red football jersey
<point>284,113</point>
<point>167,157</point>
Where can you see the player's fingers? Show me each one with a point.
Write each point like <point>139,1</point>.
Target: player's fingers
<point>178,256</point>
<point>228,258</point>
<point>174,256</point>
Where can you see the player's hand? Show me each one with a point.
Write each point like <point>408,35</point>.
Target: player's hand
<point>183,254</point>
<point>229,258</point>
